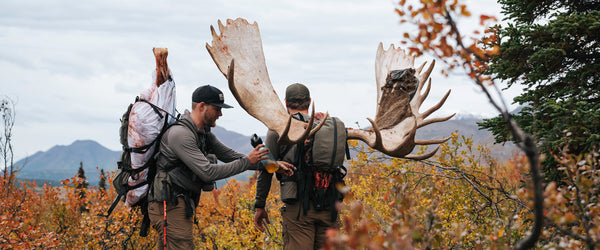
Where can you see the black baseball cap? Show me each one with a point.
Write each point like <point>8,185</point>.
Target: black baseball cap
<point>209,95</point>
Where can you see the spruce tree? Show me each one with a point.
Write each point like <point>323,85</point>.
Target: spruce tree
<point>552,48</point>
<point>81,186</point>
<point>102,182</point>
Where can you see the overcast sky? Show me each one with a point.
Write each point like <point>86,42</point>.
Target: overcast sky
<point>72,67</point>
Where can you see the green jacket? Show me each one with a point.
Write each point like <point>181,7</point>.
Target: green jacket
<point>183,165</point>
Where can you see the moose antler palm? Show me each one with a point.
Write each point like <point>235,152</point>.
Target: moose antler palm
<point>239,46</point>
<point>399,98</point>
<point>237,52</point>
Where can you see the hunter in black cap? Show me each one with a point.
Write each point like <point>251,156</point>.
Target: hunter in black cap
<point>209,95</point>
<point>187,165</point>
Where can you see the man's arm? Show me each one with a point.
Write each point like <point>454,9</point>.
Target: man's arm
<point>263,181</point>
<point>222,151</point>
<point>263,184</point>
<point>182,143</point>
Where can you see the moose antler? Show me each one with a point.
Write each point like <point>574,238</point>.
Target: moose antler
<point>399,98</point>
<point>239,46</point>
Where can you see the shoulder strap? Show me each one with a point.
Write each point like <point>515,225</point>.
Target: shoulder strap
<point>191,127</point>
<point>347,148</point>
<point>157,110</point>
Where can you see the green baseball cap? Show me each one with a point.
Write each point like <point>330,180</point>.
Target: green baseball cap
<point>297,93</point>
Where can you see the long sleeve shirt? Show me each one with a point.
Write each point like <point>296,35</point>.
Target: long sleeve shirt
<point>183,163</point>
<point>264,179</point>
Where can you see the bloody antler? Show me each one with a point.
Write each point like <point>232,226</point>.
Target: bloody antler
<point>238,54</point>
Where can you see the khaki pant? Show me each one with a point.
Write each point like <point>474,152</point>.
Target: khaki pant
<point>308,231</point>
<point>180,230</point>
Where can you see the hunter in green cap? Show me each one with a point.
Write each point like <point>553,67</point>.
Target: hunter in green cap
<point>297,93</point>
<point>303,227</point>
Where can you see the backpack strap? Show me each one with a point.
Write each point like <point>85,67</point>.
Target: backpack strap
<point>335,134</point>
<point>347,148</point>
<point>190,203</point>
<point>121,195</point>
<point>157,110</point>
<point>189,125</point>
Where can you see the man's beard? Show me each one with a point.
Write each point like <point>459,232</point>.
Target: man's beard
<point>209,122</point>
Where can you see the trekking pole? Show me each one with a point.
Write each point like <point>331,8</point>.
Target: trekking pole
<point>164,214</point>
<point>165,224</point>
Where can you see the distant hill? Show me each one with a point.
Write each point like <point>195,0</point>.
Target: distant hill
<point>467,126</point>
<point>61,162</point>
<point>236,141</point>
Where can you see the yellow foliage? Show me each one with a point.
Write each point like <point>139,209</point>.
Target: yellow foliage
<point>461,198</point>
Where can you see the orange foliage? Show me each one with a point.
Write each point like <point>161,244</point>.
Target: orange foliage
<point>436,25</point>
<point>462,198</point>
<point>51,217</point>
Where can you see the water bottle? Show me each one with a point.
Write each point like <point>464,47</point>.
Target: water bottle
<point>269,164</point>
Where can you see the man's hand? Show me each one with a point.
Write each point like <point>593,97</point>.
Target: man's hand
<point>260,215</point>
<point>258,154</point>
<point>285,168</point>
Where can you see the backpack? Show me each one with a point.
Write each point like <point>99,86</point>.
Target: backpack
<point>320,166</point>
<point>132,184</point>
<point>327,147</point>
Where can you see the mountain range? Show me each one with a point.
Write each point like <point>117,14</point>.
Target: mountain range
<point>62,162</point>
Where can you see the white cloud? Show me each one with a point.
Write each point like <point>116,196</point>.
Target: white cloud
<point>74,66</point>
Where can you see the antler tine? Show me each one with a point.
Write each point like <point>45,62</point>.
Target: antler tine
<point>284,137</point>
<point>435,107</point>
<point>209,48</point>
<point>423,156</point>
<point>378,141</point>
<point>421,67</point>
<point>314,130</point>
<point>420,97</point>
<point>221,27</point>
<point>431,141</point>
<point>425,75</point>
<point>231,82</point>
<point>434,120</point>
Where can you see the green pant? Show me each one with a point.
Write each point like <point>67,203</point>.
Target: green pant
<point>180,230</point>
<point>306,231</point>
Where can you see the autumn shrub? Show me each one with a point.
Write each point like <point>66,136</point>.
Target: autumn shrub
<point>225,218</point>
<point>462,198</point>
<point>23,225</point>
<point>52,218</point>
<point>572,209</point>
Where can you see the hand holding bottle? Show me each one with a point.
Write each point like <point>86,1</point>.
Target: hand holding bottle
<point>270,164</point>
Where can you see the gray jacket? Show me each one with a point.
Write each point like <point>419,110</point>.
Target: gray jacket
<point>183,165</point>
